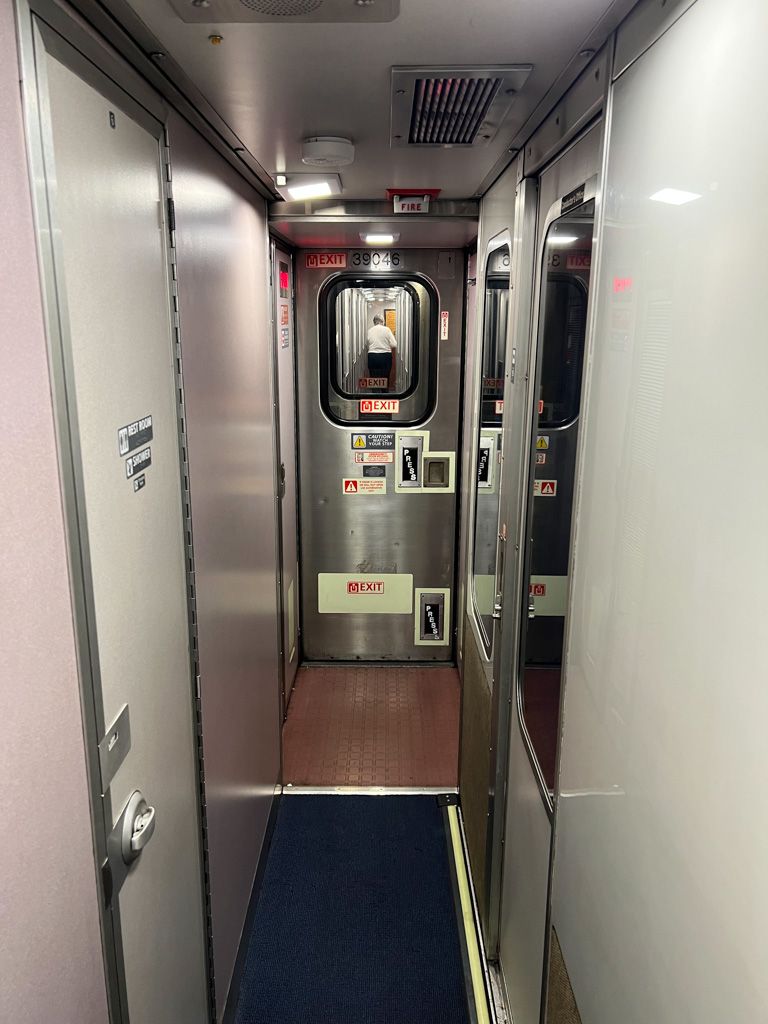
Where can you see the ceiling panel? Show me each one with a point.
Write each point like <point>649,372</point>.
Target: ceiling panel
<point>275,84</point>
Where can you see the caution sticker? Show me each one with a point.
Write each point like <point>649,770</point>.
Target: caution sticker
<point>541,458</point>
<point>367,486</point>
<point>544,488</point>
<point>374,458</point>
<point>542,443</point>
<point>376,441</point>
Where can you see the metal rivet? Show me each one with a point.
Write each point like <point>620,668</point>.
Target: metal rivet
<point>401,92</point>
<point>157,56</point>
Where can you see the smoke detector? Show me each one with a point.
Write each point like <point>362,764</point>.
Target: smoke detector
<point>327,151</point>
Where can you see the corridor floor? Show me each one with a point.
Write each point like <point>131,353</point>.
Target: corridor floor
<point>372,726</point>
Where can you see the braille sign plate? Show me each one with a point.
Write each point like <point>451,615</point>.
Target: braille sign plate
<point>321,260</point>
<point>139,462</point>
<point>373,442</point>
<point>134,436</point>
<point>371,405</point>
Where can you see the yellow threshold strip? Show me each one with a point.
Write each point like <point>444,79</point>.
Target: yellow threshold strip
<point>473,949</point>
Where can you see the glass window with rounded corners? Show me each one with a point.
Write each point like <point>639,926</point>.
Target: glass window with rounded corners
<point>378,349</point>
<point>485,538</point>
<point>565,282</point>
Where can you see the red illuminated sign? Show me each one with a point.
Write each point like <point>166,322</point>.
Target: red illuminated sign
<point>326,260</point>
<point>365,588</point>
<point>369,405</point>
<point>285,281</point>
<point>622,284</point>
<point>538,589</point>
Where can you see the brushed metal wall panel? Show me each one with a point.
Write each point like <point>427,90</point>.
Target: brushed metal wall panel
<point>393,532</point>
<point>224,310</point>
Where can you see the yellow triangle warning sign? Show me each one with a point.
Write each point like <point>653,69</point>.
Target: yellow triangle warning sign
<point>542,443</point>
<point>359,442</point>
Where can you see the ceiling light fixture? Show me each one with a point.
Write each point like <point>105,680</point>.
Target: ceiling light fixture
<point>563,239</point>
<point>318,190</point>
<point>379,239</point>
<point>280,179</point>
<point>674,196</point>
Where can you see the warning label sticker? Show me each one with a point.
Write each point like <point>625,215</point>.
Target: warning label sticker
<point>371,405</point>
<point>545,488</point>
<point>367,486</point>
<point>366,383</point>
<point>374,442</point>
<point>542,443</point>
<point>374,458</point>
<point>541,458</point>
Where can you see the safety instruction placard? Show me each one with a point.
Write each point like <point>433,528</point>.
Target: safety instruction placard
<point>365,486</point>
<point>373,441</point>
<point>374,458</point>
<point>370,405</point>
<point>544,488</point>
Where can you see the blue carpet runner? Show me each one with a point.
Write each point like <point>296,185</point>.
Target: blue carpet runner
<point>355,922</point>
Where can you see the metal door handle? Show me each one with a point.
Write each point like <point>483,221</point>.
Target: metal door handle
<point>496,610</point>
<point>138,826</point>
<point>531,608</point>
<point>143,829</point>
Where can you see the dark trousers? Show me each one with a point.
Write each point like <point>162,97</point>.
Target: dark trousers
<point>380,365</point>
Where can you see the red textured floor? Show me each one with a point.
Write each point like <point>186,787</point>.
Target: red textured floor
<point>372,726</point>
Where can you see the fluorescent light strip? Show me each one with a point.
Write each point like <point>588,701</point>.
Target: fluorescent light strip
<point>674,196</point>
<point>316,191</point>
<point>379,239</point>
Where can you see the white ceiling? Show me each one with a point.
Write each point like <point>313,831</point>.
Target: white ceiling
<point>275,84</point>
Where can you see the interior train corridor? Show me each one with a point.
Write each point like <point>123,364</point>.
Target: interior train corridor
<point>383,560</point>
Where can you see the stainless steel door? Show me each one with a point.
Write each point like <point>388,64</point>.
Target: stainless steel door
<point>360,546</point>
<point>104,173</point>
<point>528,830</point>
<point>283,313</point>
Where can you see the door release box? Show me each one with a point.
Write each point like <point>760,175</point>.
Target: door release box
<point>437,471</point>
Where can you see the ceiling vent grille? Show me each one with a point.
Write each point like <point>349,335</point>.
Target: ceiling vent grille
<point>283,12</point>
<point>452,106</point>
<point>282,8</point>
<point>449,111</point>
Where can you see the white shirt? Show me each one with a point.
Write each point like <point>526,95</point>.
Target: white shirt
<point>381,339</point>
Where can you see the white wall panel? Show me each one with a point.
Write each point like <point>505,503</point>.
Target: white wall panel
<point>661,889</point>
<point>225,337</point>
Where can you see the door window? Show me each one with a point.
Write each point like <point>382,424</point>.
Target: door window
<point>378,343</point>
<point>562,332</point>
<point>484,552</point>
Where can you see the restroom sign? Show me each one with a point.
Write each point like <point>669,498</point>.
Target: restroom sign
<point>326,260</point>
<point>372,405</point>
<point>365,588</point>
<point>545,488</point>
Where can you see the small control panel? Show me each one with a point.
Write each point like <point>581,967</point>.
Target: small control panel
<point>431,616</point>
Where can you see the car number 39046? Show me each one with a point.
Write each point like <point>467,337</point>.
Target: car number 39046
<point>374,258</point>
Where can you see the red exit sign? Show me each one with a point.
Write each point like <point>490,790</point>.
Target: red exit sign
<point>370,405</point>
<point>326,260</point>
<point>365,588</point>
